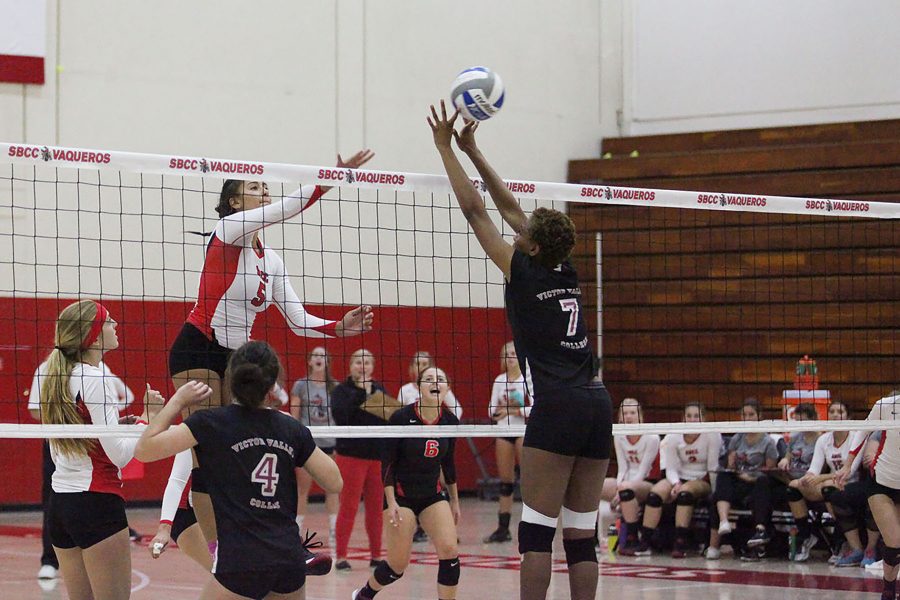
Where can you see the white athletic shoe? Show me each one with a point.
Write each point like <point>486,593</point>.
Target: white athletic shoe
<point>48,572</point>
<point>724,527</point>
<point>713,553</point>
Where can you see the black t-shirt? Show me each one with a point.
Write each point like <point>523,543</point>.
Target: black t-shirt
<point>544,310</point>
<point>346,408</point>
<point>248,457</point>
<point>413,465</point>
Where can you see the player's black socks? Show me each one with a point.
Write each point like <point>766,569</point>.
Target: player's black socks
<point>503,520</point>
<point>366,593</point>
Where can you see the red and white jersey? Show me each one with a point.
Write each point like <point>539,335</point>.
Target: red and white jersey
<point>241,279</point>
<point>99,471</point>
<point>409,394</point>
<point>827,453</point>
<point>123,393</point>
<point>512,392</point>
<point>637,461</point>
<point>690,461</point>
<point>887,459</point>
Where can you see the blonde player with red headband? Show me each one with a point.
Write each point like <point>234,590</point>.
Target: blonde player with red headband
<point>88,527</point>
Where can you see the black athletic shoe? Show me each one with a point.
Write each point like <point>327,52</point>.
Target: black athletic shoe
<point>760,538</point>
<point>316,564</point>
<point>374,563</point>
<point>498,536</point>
<point>342,565</point>
<point>420,536</point>
<point>133,535</point>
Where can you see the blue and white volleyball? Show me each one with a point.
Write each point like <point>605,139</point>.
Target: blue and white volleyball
<point>477,93</point>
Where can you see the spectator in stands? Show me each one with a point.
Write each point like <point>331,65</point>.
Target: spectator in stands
<point>814,486</point>
<point>360,400</point>
<point>690,460</point>
<point>748,455</point>
<point>637,457</point>
<point>852,513</point>
<point>776,485</point>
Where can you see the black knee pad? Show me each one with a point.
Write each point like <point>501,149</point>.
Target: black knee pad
<point>448,571</point>
<point>828,492</point>
<point>626,495</point>
<point>685,499</point>
<point>579,551</point>
<point>535,538</point>
<point>891,556</point>
<point>654,500</point>
<point>507,489</point>
<point>385,575</point>
<point>793,494</point>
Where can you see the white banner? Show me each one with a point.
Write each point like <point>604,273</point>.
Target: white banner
<point>23,40</point>
<point>419,182</point>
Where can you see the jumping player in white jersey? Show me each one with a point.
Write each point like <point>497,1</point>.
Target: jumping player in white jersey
<point>510,405</point>
<point>569,433</point>
<point>884,488</point>
<point>250,454</point>
<point>241,278</point>
<point>88,527</point>
<point>690,461</point>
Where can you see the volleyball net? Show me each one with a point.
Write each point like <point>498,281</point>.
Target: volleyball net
<point>690,296</point>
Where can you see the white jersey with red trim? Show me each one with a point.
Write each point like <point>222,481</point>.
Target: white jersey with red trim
<point>241,279</point>
<point>99,471</point>
<point>690,461</point>
<point>123,393</point>
<point>887,459</point>
<point>510,392</point>
<point>639,460</point>
<point>834,456</point>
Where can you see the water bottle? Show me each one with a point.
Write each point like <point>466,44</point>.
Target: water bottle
<point>612,538</point>
<point>792,549</point>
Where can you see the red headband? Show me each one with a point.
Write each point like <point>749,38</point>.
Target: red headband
<point>96,326</point>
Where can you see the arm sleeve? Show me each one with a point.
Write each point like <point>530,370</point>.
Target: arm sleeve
<point>300,321</point>
<point>103,406</point>
<point>448,463</point>
<point>818,457</point>
<point>650,454</point>
<point>670,449</point>
<point>241,225</point>
<point>621,461</point>
<point>178,478</point>
<point>123,392</point>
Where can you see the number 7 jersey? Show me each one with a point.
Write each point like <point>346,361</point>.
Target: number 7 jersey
<point>544,310</point>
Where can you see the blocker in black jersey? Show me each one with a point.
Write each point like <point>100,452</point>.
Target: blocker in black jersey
<point>572,412</point>
<point>248,457</point>
<point>544,310</point>
<point>413,465</point>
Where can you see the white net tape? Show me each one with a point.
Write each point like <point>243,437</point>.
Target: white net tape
<point>160,164</point>
<point>9,430</point>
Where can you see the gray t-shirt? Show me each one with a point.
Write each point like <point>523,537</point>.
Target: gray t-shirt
<point>799,455</point>
<point>752,457</point>
<point>315,407</point>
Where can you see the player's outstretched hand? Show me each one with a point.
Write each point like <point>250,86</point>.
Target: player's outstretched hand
<point>191,394</point>
<point>465,137</point>
<point>357,321</point>
<point>355,161</point>
<point>441,126</point>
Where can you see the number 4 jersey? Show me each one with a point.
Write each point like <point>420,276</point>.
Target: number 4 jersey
<point>544,310</point>
<point>248,457</point>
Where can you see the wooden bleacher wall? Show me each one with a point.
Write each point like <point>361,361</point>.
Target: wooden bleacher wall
<point>718,306</point>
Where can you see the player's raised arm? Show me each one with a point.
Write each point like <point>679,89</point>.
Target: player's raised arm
<point>499,251</point>
<point>506,203</point>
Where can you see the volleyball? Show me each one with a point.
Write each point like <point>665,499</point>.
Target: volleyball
<point>478,93</point>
